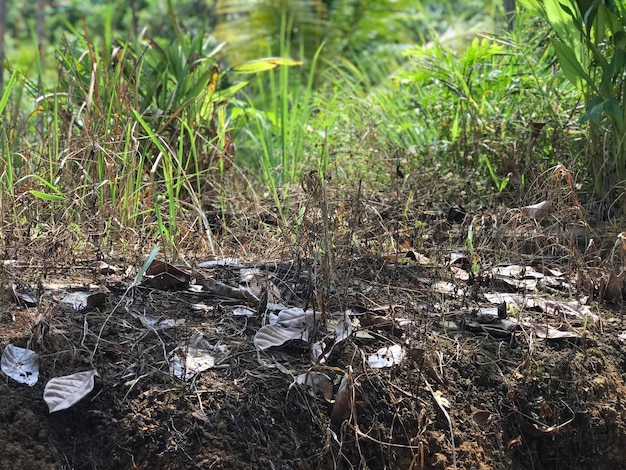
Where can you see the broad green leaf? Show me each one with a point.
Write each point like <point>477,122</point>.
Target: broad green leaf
<point>532,6</point>
<point>614,110</point>
<point>572,69</point>
<point>595,110</point>
<point>262,65</point>
<point>562,16</point>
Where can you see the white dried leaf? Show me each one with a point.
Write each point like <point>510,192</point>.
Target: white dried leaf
<point>253,279</point>
<point>221,263</point>
<point>188,360</point>
<point>364,335</point>
<point>317,349</point>
<point>317,382</point>
<point>404,323</point>
<point>155,323</point>
<point>273,335</point>
<point>386,357</point>
<point>447,288</point>
<point>297,318</point>
<point>538,211</point>
<point>63,392</point>
<point>243,312</point>
<point>80,300</point>
<point>22,365</point>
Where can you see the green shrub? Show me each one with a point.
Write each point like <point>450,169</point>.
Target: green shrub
<point>590,43</point>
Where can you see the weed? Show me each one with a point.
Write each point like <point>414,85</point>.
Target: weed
<point>589,45</point>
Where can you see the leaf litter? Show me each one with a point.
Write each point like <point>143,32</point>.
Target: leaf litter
<point>387,363</point>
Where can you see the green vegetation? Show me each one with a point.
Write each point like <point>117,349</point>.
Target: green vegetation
<point>140,124</point>
<point>590,45</point>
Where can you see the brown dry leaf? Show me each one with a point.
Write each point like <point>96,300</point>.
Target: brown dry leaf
<point>482,419</point>
<point>159,267</point>
<point>612,288</point>
<point>377,321</point>
<point>514,443</point>
<point>418,356</point>
<point>162,276</point>
<point>541,430</point>
<point>545,411</point>
<point>343,401</point>
<point>165,281</point>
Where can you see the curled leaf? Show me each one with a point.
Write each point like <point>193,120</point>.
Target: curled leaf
<point>22,365</point>
<point>343,401</point>
<point>198,355</point>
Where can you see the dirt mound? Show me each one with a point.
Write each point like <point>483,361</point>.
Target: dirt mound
<point>440,355</point>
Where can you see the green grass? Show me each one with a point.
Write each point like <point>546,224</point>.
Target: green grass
<point>137,131</point>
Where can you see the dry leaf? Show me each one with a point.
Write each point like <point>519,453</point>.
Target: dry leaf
<point>222,263</point>
<point>80,300</point>
<point>317,383</point>
<point>344,329</point>
<point>442,401</point>
<point>514,443</point>
<point>297,318</point>
<point>343,401</point>
<point>100,267</point>
<point>243,312</point>
<point>377,321</point>
<point>443,287</point>
<point>63,392</point>
<point>386,357</point>
<point>22,365</point>
<point>538,211</point>
<point>482,419</point>
<point>195,356</point>
<point>425,365</point>
<point>26,299</point>
<point>273,335</point>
